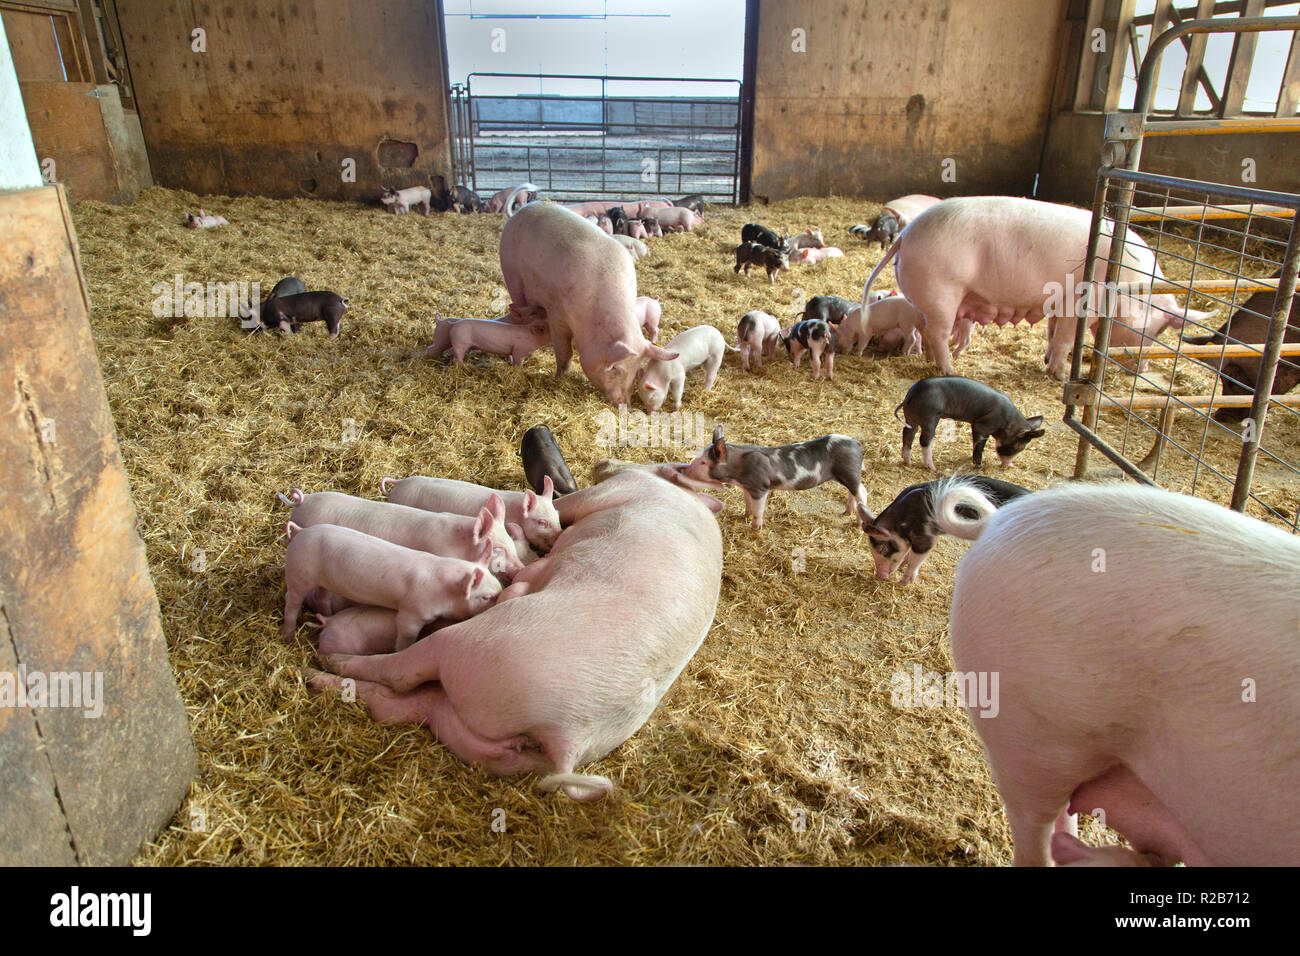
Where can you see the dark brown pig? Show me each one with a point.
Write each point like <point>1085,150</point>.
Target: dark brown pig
<point>1249,325</point>
<point>293,311</point>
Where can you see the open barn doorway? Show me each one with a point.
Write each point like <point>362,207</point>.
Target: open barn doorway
<point>600,98</point>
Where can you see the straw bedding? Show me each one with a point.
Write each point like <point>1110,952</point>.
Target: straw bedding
<point>779,743</point>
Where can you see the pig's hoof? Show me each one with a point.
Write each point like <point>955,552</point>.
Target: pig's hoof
<point>334,662</point>
<point>318,682</point>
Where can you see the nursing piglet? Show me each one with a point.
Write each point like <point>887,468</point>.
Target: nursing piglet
<point>419,586</point>
<point>483,538</point>
<point>533,512</point>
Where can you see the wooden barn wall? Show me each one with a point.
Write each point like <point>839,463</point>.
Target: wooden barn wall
<point>885,92</point>
<point>1074,155</point>
<point>287,91</point>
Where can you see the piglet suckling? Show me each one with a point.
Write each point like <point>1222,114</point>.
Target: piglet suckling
<point>482,538</point>
<point>533,512</point>
<point>559,676</point>
<point>544,461</point>
<point>492,336</point>
<point>419,586</point>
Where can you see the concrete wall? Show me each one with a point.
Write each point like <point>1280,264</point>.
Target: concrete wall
<point>884,92</point>
<point>286,91</point>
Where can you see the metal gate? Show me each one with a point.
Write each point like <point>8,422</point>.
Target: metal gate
<point>1231,247</point>
<point>601,137</point>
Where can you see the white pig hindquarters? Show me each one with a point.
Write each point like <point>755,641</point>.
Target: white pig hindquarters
<point>1128,627</point>
<point>562,674</point>
<point>997,259</point>
<point>553,258</point>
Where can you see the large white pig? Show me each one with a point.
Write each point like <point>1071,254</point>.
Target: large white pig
<point>997,259</point>
<point>555,259</point>
<point>1160,684</point>
<point>571,663</point>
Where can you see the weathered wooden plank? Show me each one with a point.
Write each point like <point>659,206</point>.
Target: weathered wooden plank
<point>1086,91</point>
<point>1116,27</point>
<point>1195,73</point>
<point>1197,213</point>
<point>1288,97</point>
<point>77,594</point>
<point>39,834</point>
<point>67,126</point>
<point>33,45</point>
<point>1163,350</point>
<point>267,110</point>
<point>1243,57</point>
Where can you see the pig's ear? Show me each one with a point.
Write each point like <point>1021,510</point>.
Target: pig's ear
<point>482,525</point>
<point>485,551</point>
<point>530,502</point>
<point>873,531</point>
<point>619,350</point>
<point>719,444</point>
<point>473,579</point>
<point>548,487</point>
<point>657,354</point>
<point>497,508</point>
<point>1034,423</point>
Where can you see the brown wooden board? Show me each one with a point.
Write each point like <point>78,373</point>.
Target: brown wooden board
<point>76,590</point>
<point>33,45</point>
<point>286,92</point>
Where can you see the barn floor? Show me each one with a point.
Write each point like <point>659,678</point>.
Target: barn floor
<point>779,744</point>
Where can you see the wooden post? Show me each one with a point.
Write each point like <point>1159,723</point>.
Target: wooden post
<point>78,605</point>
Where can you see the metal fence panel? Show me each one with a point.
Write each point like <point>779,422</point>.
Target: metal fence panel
<point>1202,405</point>
<point>576,147</point>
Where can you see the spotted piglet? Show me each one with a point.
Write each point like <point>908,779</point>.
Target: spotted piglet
<point>813,336</point>
<point>760,469</point>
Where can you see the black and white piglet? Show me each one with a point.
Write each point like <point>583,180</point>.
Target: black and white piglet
<point>815,336</point>
<point>756,254</point>
<point>760,469</point>
<point>908,529</point>
<point>989,411</point>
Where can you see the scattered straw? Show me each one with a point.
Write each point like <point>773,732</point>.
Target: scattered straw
<point>778,744</point>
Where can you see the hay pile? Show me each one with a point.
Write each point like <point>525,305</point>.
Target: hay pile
<point>778,744</point>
